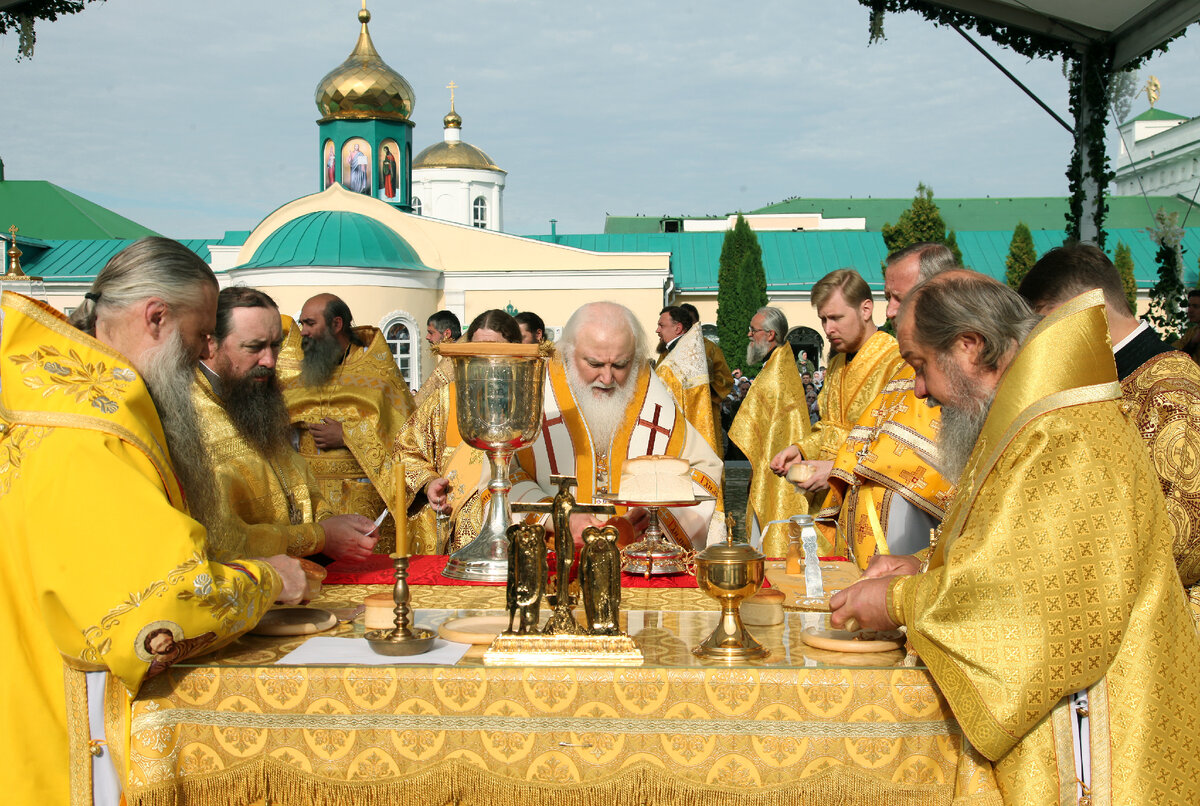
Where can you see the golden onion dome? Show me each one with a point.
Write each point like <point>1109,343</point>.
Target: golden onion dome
<point>363,86</point>
<point>452,152</point>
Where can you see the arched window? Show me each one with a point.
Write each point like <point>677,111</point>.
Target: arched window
<point>398,329</point>
<point>479,212</point>
<point>416,205</point>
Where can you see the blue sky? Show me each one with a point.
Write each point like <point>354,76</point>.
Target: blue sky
<point>195,118</point>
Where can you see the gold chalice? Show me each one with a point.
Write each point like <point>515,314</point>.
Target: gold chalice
<point>498,392</point>
<point>729,573</point>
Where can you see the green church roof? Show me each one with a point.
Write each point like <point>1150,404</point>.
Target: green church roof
<point>1157,114</point>
<point>795,260</point>
<point>335,238</point>
<point>82,260</point>
<point>46,211</point>
<point>987,214</point>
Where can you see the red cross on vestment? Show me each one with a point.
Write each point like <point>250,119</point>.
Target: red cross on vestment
<point>655,428</point>
<point>550,445</point>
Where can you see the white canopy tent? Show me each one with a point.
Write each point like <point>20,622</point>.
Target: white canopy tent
<point>1101,36</point>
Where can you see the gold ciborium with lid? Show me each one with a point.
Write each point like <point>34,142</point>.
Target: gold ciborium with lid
<point>498,394</point>
<point>730,572</point>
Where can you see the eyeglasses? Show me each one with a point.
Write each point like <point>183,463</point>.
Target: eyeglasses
<point>758,330</point>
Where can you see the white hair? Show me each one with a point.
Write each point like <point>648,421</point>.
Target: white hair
<point>606,314</point>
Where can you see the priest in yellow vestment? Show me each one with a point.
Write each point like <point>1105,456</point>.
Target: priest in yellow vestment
<point>348,401</point>
<point>866,359</point>
<point>101,566</point>
<point>442,473</point>
<point>604,404</point>
<point>885,491</point>
<point>1051,615</point>
<point>1160,385</point>
<point>269,502</point>
<point>773,414</point>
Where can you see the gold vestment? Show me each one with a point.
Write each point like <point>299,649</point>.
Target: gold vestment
<point>1164,393</point>
<point>848,390</point>
<point>100,565</point>
<point>771,416</point>
<point>1054,575</point>
<point>269,505</point>
<point>890,451</point>
<point>720,383</point>
<point>368,396</point>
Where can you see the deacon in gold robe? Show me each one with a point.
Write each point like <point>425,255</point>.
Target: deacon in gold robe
<point>866,360</point>
<point>269,501</point>
<point>773,414</point>
<point>885,491</point>
<point>1161,388</point>
<point>602,405</point>
<point>445,475</point>
<point>348,401</point>
<point>99,555</point>
<point>1051,615</point>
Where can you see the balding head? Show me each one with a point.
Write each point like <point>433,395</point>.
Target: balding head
<point>911,265</point>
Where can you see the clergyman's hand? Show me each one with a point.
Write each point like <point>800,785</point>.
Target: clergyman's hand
<point>891,565</point>
<point>348,537</point>
<point>864,602</point>
<point>785,459</point>
<point>580,521</point>
<point>438,493</point>
<point>295,585</point>
<point>819,480</point>
<point>327,434</point>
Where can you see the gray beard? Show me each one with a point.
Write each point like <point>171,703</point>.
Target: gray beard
<point>603,415</point>
<point>258,412</point>
<point>960,423</point>
<point>168,374</point>
<point>757,353</point>
<point>322,354</point>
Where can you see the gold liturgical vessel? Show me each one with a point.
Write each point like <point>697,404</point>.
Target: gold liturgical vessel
<point>498,393</point>
<point>599,640</point>
<point>730,573</point>
<point>401,639</point>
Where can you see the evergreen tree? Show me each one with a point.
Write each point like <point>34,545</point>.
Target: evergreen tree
<point>741,290</point>
<point>1123,260</point>
<point>921,222</point>
<point>1021,256</point>
<point>1168,303</point>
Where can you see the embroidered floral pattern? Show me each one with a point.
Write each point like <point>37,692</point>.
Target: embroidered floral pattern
<point>51,370</point>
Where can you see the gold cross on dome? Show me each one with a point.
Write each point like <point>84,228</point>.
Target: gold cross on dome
<point>452,87</point>
<point>13,231</point>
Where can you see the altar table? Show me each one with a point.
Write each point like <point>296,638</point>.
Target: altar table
<point>799,727</point>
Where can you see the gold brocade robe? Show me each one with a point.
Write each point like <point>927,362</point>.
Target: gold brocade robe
<point>848,390</point>
<point>720,384</point>
<point>1164,394</point>
<point>772,414</point>
<point>369,397</point>
<point>270,505</point>
<point>890,451</point>
<point>1054,575</point>
<point>99,558</point>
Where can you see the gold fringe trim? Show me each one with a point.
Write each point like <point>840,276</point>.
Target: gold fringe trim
<point>460,783</point>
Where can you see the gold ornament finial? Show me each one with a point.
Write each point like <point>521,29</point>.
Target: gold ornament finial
<point>14,256</point>
<point>1152,90</point>
<point>364,16</point>
<point>452,87</point>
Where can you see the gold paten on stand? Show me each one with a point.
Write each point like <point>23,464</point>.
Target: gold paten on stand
<point>563,640</point>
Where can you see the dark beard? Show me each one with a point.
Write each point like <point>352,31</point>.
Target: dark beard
<point>322,354</point>
<point>961,423</point>
<point>168,374</point>
<point>258,412</point>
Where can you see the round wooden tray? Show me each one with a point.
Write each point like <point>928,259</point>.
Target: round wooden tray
<point>473,629</point>
<point>843,641</point>
<point>295,621</point>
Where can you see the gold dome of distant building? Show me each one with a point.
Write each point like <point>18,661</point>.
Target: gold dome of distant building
<point>452,152</point>
<point>363,86</point>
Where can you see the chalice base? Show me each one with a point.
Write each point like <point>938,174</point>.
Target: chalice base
<point>484,559</point>
<point>730,641</point>
<point>394,642</point>
<point>555,650</point>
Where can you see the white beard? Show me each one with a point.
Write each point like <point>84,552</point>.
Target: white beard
<point>961,422</point>
<point>603,414</point>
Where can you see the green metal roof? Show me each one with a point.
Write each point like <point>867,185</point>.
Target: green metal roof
<point>81,260</point>
<point>335,238</point>
<point>46,211</point>
<point>1157,114</point>
<point>998,214</point>
<point>795,260</point>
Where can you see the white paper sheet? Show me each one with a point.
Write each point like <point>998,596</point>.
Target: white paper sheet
<point>329,650</point>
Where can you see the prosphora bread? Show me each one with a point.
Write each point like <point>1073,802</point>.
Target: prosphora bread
<point>799,473</point>
<point>656,478</point>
